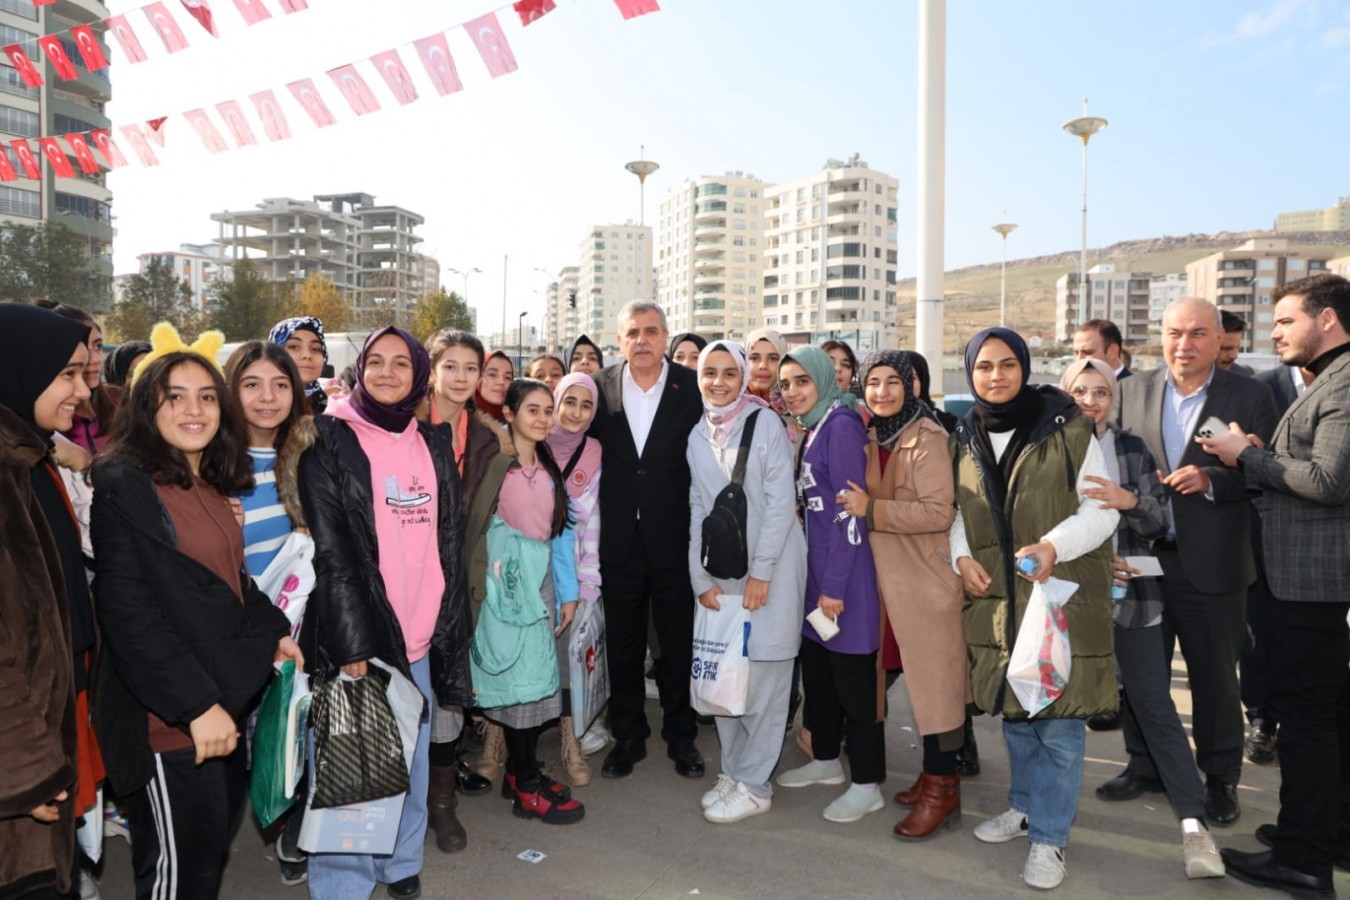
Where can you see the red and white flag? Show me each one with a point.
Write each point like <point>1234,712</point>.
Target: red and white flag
<point>7,172</point>
<point>293,6</point>
<point>79,145</point>
<point>233,114</point>
<point>56,157</point>
<point>164,25</point>
<point>154,129</point>
<point>390,66</point>
<point>487,36</point>
<point>533,10</point>
<point>206,130</point>
<point>90,50</point>
<point>355,89</point>
<point>120,28</point>
<point>24,66</point>
<point>43,2</point>
<point>55,52</point>
<point>104,142</point>
<point>631,9</point>
<point>136,137</point>
<point>202,13</point>
<point>27,161</point>
<point>273,119</point>
<point>435,54</point>
<point>309,98</point>
<point>252,10</point>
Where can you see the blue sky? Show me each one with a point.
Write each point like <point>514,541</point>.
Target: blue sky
<point>1222,115</point>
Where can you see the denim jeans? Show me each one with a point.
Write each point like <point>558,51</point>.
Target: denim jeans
<point>350,876</point>
<point>1046,756</point>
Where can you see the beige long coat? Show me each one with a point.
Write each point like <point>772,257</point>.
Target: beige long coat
<point>911,509</point>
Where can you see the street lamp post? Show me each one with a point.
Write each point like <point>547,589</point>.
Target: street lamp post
<point>465,275</point>
<point>1005,229</point>
<point>520,337</point>
<point>1084,128</point>
<point>642,168</point>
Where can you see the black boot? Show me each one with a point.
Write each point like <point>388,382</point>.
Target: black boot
<point>470,783</point>
<point>968,757</point>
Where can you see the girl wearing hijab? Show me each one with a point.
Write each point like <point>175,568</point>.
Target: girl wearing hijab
<point>302,337</point>
<point>839,678</point>
<point>584,356</point>
<point>1141,656</point>
<point>119,362</point>
<point>44,605</point>
<point>188,639</point>
<point>498,373</point>
<point>685,348</point>
<point>93,420</point>
<point>1023,457</point>
<point>774,585</point>
<point>381,495</point>
<point>578,456</point>
<point>944,418</point>
<point>909,506</point>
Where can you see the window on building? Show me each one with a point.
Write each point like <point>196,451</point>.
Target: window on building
<point>1265,281</point>
<point>19,122</point>
<point>18,202</point>
<point>12,83</point>
<point>1295,265</point>
<point>1266,265</point>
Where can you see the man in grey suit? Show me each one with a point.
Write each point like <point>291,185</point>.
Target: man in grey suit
<point>1305,476</point>
<point>1206,557</point>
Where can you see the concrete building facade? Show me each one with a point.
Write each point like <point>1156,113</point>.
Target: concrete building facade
<point>615,266</point>
<point>1162,290</point>
<point>198,265</point>
<point>1333,218</point>
<point>1339,266</point>
<point>560,311</point>
<point>1122,297</point>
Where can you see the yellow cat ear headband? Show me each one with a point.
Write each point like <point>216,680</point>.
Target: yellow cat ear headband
<point>164,339</point>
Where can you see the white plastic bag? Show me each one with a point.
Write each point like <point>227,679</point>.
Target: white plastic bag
<point>289,578</point>
<point>719,679</point>
<point>1040,666</point>
<point>589,673</point>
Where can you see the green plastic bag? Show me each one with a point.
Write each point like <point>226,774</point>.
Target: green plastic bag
<point>268,790</point>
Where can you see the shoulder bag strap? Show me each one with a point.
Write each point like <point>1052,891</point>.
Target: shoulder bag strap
<point>743,454</point>
<point>576,458</point>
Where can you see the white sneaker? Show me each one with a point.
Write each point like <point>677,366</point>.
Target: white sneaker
<point>736,804</point>
<point>653,693</point>
<point>1045,867</point>
<point>854,803</point>
<point>1004,827</point>
<point>1200,856</point>
<point>724,784</point>
<point>595,739</point>
<point>814,772</point>
<point>88,886</point>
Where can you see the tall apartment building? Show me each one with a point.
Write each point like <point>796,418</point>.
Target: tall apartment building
<point>560,315</point>
<point>1332,218</point>
<point>367,251</point>
<point>83,203</point>
<point>1162,290</point>
<point>615,267</point>
<point>1122,297</point>
<point>832,238</point>
<point>198,265</point>
<point>1241,280</point>
<point>710,258</point>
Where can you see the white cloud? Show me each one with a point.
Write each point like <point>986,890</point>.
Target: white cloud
<point>1336,37</point>
<point>1257,24</point>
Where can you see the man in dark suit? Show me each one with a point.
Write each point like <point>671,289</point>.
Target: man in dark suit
<point>1207,555</point>
<point>1100,339</point>
<point>646,411</point>
<point>1305,477</point>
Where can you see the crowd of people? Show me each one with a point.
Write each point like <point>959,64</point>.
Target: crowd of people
<point>460,526</point>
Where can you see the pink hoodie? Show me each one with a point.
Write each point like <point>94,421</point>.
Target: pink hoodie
<point>403,483</point>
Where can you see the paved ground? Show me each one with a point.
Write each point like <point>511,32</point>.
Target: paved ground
<point>645,837</point>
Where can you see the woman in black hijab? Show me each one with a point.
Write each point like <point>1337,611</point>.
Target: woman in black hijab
<point>119,362</point>
<point>945,419</point>
<point>44,603</point>
<point>585,356</point>
<point>686,355</point>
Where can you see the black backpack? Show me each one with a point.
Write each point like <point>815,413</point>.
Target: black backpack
<point>725,554</point>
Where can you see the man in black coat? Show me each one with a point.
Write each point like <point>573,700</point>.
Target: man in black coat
<point>647,409</point>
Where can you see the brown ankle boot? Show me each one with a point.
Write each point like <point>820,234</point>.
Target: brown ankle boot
<point>939,807</point>
<point>573,760</point>
<point>441,804</point>
<point>911,797</point>
<point>493,757</point>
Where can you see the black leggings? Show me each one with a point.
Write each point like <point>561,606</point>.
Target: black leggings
<point>521,745</point>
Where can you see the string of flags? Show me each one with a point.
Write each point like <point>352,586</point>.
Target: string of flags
<point>433,52</point>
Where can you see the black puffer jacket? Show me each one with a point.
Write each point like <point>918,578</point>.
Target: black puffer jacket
<point>349,617</point>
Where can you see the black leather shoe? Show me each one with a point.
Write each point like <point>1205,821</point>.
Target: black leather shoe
<point>1263,870</point>
<point>688,761</point>
<point>619,762</point>
<point>1128,785</point>
<point>1340,858</point>
<point>409,888</point>
<point>1221,802</point>
<point>968,756</point>
<point>470,783</point>
<point>1260,745</point>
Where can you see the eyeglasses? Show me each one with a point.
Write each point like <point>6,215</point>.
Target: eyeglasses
<point>1098,394</point>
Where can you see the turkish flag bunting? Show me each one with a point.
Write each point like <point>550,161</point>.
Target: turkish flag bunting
<point>120,28</point>
<point>79,145</point>
<point>56,55</point>
<point>60,163</point>
<point>89,48</point>
<point>206,130</point>
<point>309,98</point>
<point>104,142</point>
<point>24,66</point>
<point>7,172</point>
<point>156,129</point>
<point>631,9</point>
<point>390,66</point>
<point>252,10</point>
<point>435,53</point>
<point>233,114</point>
<point>42,2</point>
<point>164,25</point>
<point>293,6</point>
<point>533,10</point>
<point>140,145</point>
<point>487,36</point>
<point>202,13</point>
<point>27,161</point>
<point>355,89</point>
<point>273,119</point>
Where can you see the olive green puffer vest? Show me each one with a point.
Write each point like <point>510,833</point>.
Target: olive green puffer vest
<point>1042,493</point>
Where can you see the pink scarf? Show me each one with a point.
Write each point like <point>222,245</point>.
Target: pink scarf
<point>721,419</point>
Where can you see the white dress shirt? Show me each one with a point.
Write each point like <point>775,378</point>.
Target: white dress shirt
<point>639,406</point>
